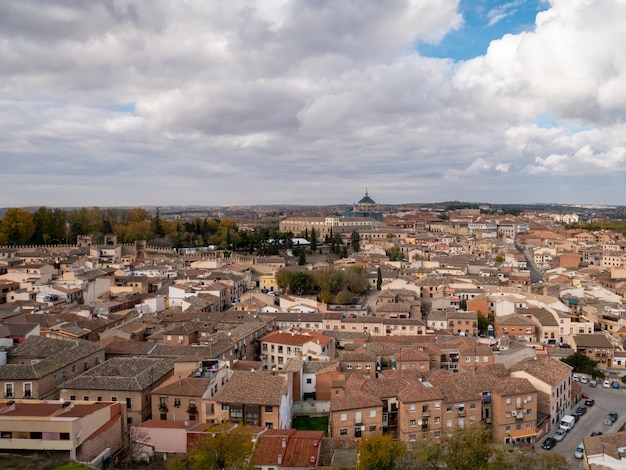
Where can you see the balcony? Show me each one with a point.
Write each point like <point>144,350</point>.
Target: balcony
<point>163,408</point>
<point>461,412</point>
<point>425,413</point>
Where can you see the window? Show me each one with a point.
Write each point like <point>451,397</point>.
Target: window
<point>412,409</point>
<point>85,365</point>
<point>472,406</point>
<point>357,417</point>
<point>508,401</point>
<point>8,390</point>
<point>73,368</point>
<point>99,398</point>
<point>448,409</point>
<point>309,381</point>
<point>128,404</point>
<point>344,416</point>
<point>264,347</point>
<point>280,349</point>
<point>269,409</point>
<point>72,397</point>
<point>372,413</point>
<point>269,425</point>
<point>63,375</point>
<point>372,427</point>
<point>163,416</point>
<point>412,422</point>
<point>177,402</point>
<point>357,431</point>
<point>343,432</point>
<point>437,405</point>
<point>113,398</point>
<point>86,398</point>
<point>437,419</point>
<point>224,407</point>
<point>467,358</point>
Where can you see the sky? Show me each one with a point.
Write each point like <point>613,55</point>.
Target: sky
<point>193,102</point>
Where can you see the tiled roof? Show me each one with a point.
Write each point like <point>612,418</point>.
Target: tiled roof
<point>545,368</point>
<point>253,388</point>
<point>123,373</point>
<point>49,354</point>
<point>595,340</point>
<point>184,387</point>
<point>507,386</point>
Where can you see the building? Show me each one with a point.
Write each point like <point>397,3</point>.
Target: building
<point>279,346</point>
<point>257,399</point>
<point>39,365</point>
<point>130,380</point>
<point>85,429</point>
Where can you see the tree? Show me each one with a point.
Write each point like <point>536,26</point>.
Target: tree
<point>379,453</point>
<point>282,278</point>
<point>582,364</point>
<point>300,282</point>
<point>313,239</point>
<point>227,447</point>
<point>17,227</point>
<point>50,226</point>
<point>355,279</point>
<point>301,258</point>
<point>379,278</point>
<point>468,448</point>
<point>355,240</point>
<point>394,253</point>
<point>499,259</point>
<point>329,280</point>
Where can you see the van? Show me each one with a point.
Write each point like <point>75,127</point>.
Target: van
<point>592,383</point>
<point>567,422</point>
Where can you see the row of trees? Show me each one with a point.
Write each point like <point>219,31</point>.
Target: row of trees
<point>51,226</point>
<point>330,285</point>
<point>463,449</point>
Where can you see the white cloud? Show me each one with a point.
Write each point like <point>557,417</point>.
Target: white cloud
<point>315,100</point>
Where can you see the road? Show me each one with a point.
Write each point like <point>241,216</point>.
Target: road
<point>535,274</point>
<point>606,400</point>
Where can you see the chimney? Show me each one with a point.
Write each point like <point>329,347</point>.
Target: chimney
<point>284,442</point>
<point>280,459</point>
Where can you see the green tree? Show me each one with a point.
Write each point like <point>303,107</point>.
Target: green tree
<point>355,279</point>
<point>283,276</point>
<point>300,282</point>
<point>50,226</point>
<point>394,253</point>
<point>468,449</point>
<point>313,239</point>
<point>329,280</point>
<point>499,259</point>
<point>355,240</point>
<point>379,278</point>
<point>225,448</point>
<point>17,227</point>
<point>379,453</point>
<point>582,364</point>
<point>301,258</point>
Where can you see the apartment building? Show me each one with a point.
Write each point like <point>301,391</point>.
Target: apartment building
<point>279,346</point>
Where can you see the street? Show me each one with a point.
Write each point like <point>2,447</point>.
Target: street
<point>606,400</point>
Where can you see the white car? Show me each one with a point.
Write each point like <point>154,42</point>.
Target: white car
<point>583,379</point>
<point>560,434</point>
<point>579,453</point>
<point>606,384</point>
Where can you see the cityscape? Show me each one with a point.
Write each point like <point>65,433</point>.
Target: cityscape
<point>315,334</point>
<point>374,235</point>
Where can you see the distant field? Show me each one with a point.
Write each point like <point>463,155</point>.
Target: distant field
<point>311,423</point>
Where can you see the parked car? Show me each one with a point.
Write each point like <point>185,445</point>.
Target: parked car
<point>611,417</point>
<point>585,395</point>
<point>615,384</point>
<point>549,443</point>
<point>579,453</point>
<point>560,434</point>
<point>593,383</point>
<point>581,410</point>
<point>590,402</point>
<point>606,384</point>
<point>583,379</point>
<point>596,433</point>
<point>575,377</point>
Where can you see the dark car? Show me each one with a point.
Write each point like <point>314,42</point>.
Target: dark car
<point>615,384</point>
<point>549,443</point>
<point>612,417</point>
<point>581,410</point>
<point>590,402</point>
<point>596,433</point>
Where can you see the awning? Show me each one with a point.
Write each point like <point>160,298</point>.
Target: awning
<point>522,433</point>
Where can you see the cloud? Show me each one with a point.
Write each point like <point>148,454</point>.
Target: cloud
<point>503,11</point>
<point>221,102</point>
